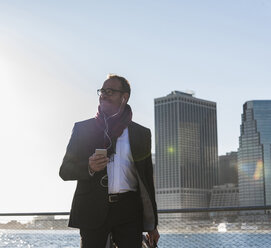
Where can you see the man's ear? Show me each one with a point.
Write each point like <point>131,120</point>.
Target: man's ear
<point>126,97</point>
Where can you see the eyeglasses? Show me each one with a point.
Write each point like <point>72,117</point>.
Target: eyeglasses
<point>108,91</point>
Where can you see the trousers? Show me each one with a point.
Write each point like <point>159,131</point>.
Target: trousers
<point>124,222</point>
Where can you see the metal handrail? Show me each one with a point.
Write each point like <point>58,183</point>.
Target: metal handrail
<point>34,214</point>
<point>161,211</point>
<point>214,209</point>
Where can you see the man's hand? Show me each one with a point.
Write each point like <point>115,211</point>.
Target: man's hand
<point>153,237</point>
<point>97,162</point>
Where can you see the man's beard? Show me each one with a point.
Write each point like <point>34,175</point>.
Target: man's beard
<point>108,108</point>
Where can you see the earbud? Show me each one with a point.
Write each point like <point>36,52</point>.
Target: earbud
<point>123,99</point>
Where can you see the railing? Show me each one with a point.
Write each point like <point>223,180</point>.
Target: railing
<point>228,227</point>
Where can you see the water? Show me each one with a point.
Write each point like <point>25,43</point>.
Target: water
<point>71,239</point>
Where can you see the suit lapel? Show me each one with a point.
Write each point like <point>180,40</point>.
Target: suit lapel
<point>138,142</point>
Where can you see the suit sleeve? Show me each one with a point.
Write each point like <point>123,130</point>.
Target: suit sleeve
<point>150,179</point>
<point>74,168</point>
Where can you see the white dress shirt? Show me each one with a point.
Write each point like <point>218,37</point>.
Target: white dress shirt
<point>120,169</point>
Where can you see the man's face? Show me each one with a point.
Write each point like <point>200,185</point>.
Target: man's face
<point>111,104</point>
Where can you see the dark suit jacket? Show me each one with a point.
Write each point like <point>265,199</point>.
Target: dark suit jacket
<point>90,202</point>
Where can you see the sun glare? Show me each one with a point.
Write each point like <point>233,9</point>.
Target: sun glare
<point>170,149</point>
<point>258,170</point>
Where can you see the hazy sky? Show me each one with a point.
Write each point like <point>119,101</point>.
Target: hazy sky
<point>54,55</point>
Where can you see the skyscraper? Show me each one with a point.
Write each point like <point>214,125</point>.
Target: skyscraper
<point>228,169</point>
<point>254,154</point>
<point>186,150</point>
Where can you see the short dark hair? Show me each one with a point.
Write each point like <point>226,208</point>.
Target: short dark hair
<point>125,85</point>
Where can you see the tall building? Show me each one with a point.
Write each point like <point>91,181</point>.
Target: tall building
<point>226,195</point>
<point>228,169</point>
<point>254,154</point>
<point>186,150</point>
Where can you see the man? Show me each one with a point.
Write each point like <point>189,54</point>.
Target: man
<point>114,193</point>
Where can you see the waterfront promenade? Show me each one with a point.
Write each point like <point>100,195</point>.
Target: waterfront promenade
<point>187,228</point>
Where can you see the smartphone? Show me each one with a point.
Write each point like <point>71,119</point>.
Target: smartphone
<point>101,151</point>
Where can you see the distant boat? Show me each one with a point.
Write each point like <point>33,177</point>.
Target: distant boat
<point>222,227</point>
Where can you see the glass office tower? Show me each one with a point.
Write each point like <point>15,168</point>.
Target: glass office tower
<point>228,168</point>
<point>254,154</point>
<point>186,150</point>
